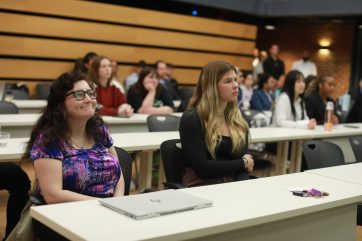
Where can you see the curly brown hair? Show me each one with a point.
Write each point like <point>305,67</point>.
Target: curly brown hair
<point>52,122</point>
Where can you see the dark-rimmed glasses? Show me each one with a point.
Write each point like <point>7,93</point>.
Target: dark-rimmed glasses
<point>80,94</point>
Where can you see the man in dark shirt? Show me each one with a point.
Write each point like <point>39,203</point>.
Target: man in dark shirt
<point>274,66</point>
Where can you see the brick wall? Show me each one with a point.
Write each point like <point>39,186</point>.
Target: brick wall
<point>294,38</point>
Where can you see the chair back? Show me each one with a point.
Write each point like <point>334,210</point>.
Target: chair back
<point>125,161</point>
<point>42,91</point>
<point>186,93</point>
<point>20,95</point>
<point>319,154</point>
<point>8,108</point>
<point>356,144</point>
<point>162,123</point>
<point>172,160</point>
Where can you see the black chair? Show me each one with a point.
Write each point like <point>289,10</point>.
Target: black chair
<point>186,93</point>
<point>173,163</point>
<point>125,161</point>
<point>8,108</point>
<point>20,95</point>
<point>162,123</point>
<point>319,154</point>
<point>356,144</point>
<point>42,91</point>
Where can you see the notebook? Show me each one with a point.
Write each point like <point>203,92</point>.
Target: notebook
<point>155,204</point>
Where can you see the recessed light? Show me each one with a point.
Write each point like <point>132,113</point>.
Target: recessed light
<point>269,27</point>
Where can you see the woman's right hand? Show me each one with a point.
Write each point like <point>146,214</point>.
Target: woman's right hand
<point>248,162</point>
<point>150,87</point>
<point>312,124</point>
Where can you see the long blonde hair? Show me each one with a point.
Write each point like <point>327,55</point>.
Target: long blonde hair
<point>206,100</point>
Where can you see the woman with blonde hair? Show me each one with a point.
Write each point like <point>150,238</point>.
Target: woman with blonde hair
<point>213,134</point>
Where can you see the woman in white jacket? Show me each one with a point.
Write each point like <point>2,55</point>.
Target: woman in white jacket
<point>289,108</point>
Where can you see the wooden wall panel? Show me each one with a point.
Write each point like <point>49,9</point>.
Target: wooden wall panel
<point>14,68</point>
<point>120,14</point>
<point>23,24</point>
<point>35,47</point>
<point>49,70</point>
<point>39,39</point>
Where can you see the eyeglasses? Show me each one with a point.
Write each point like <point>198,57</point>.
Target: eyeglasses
<point>80,94</point>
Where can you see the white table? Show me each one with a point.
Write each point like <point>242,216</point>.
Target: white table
<point>30,106</point>
<point>36,106</point>
<point>250,210</point>
<point>348,173</point>
<point>20,125</point>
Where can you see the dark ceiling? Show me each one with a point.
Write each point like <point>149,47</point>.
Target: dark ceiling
<point>286,8</point>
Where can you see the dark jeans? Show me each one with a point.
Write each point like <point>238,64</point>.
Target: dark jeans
<point>17,183</point>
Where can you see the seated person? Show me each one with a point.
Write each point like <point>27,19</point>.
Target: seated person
<point>261,99</point>
<point>355,114</point>
<point>247,90</point>
<point>132,78</point>
<point>289,108</point>
<point>213,134</point>
<point>164,76</point>
<point>71,148</point>
<point>147,96</point>
<point>316,101</point>
<point>111,100</point>
<point>16,182</point>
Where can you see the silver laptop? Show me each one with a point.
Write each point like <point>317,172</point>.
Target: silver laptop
<point>154,204</point>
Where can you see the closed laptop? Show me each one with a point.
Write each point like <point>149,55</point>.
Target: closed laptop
<point>154,204</point>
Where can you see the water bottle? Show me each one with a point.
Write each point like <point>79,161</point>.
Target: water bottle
<point>328,124</point>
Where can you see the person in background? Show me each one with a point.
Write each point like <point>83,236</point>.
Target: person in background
<point>247,90</point>
<point>355,114</point>
<point>172,82</point>
<point>239,80</point>
<point>72,150</point>
<point>257,63</point>
<point>162,74</point>
<point>82,65</point>
<point>213,134</point>
<point>133,78</point>
<point>114,79</point>
<point>261,99</point>
<point>310,85</point>
<point>305,65</point>
<point>147,96</point>
<point>112,101</point>
<point>17,183</point>
<point>275,66</point>
<point>317,100</point>
<point>289,107</point>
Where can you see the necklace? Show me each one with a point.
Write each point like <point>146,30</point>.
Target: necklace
<point>76,145</point>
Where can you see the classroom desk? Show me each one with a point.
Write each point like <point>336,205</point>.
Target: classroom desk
<point>348,173</point>
<point>20,125</point>
<point>30,106</point>
<point>339,135</point>
<point>147,142</point>
<point>252,210</point>
<point>36,106</point>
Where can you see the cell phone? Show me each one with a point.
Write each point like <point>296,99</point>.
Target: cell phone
<point>351,126</point>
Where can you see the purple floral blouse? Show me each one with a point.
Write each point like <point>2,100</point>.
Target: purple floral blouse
<point>92,172</point>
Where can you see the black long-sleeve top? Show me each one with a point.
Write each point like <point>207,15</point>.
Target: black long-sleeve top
<point>199,158</point>
<point>316,108</point>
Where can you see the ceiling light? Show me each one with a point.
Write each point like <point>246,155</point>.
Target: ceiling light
<point>269,27</point>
